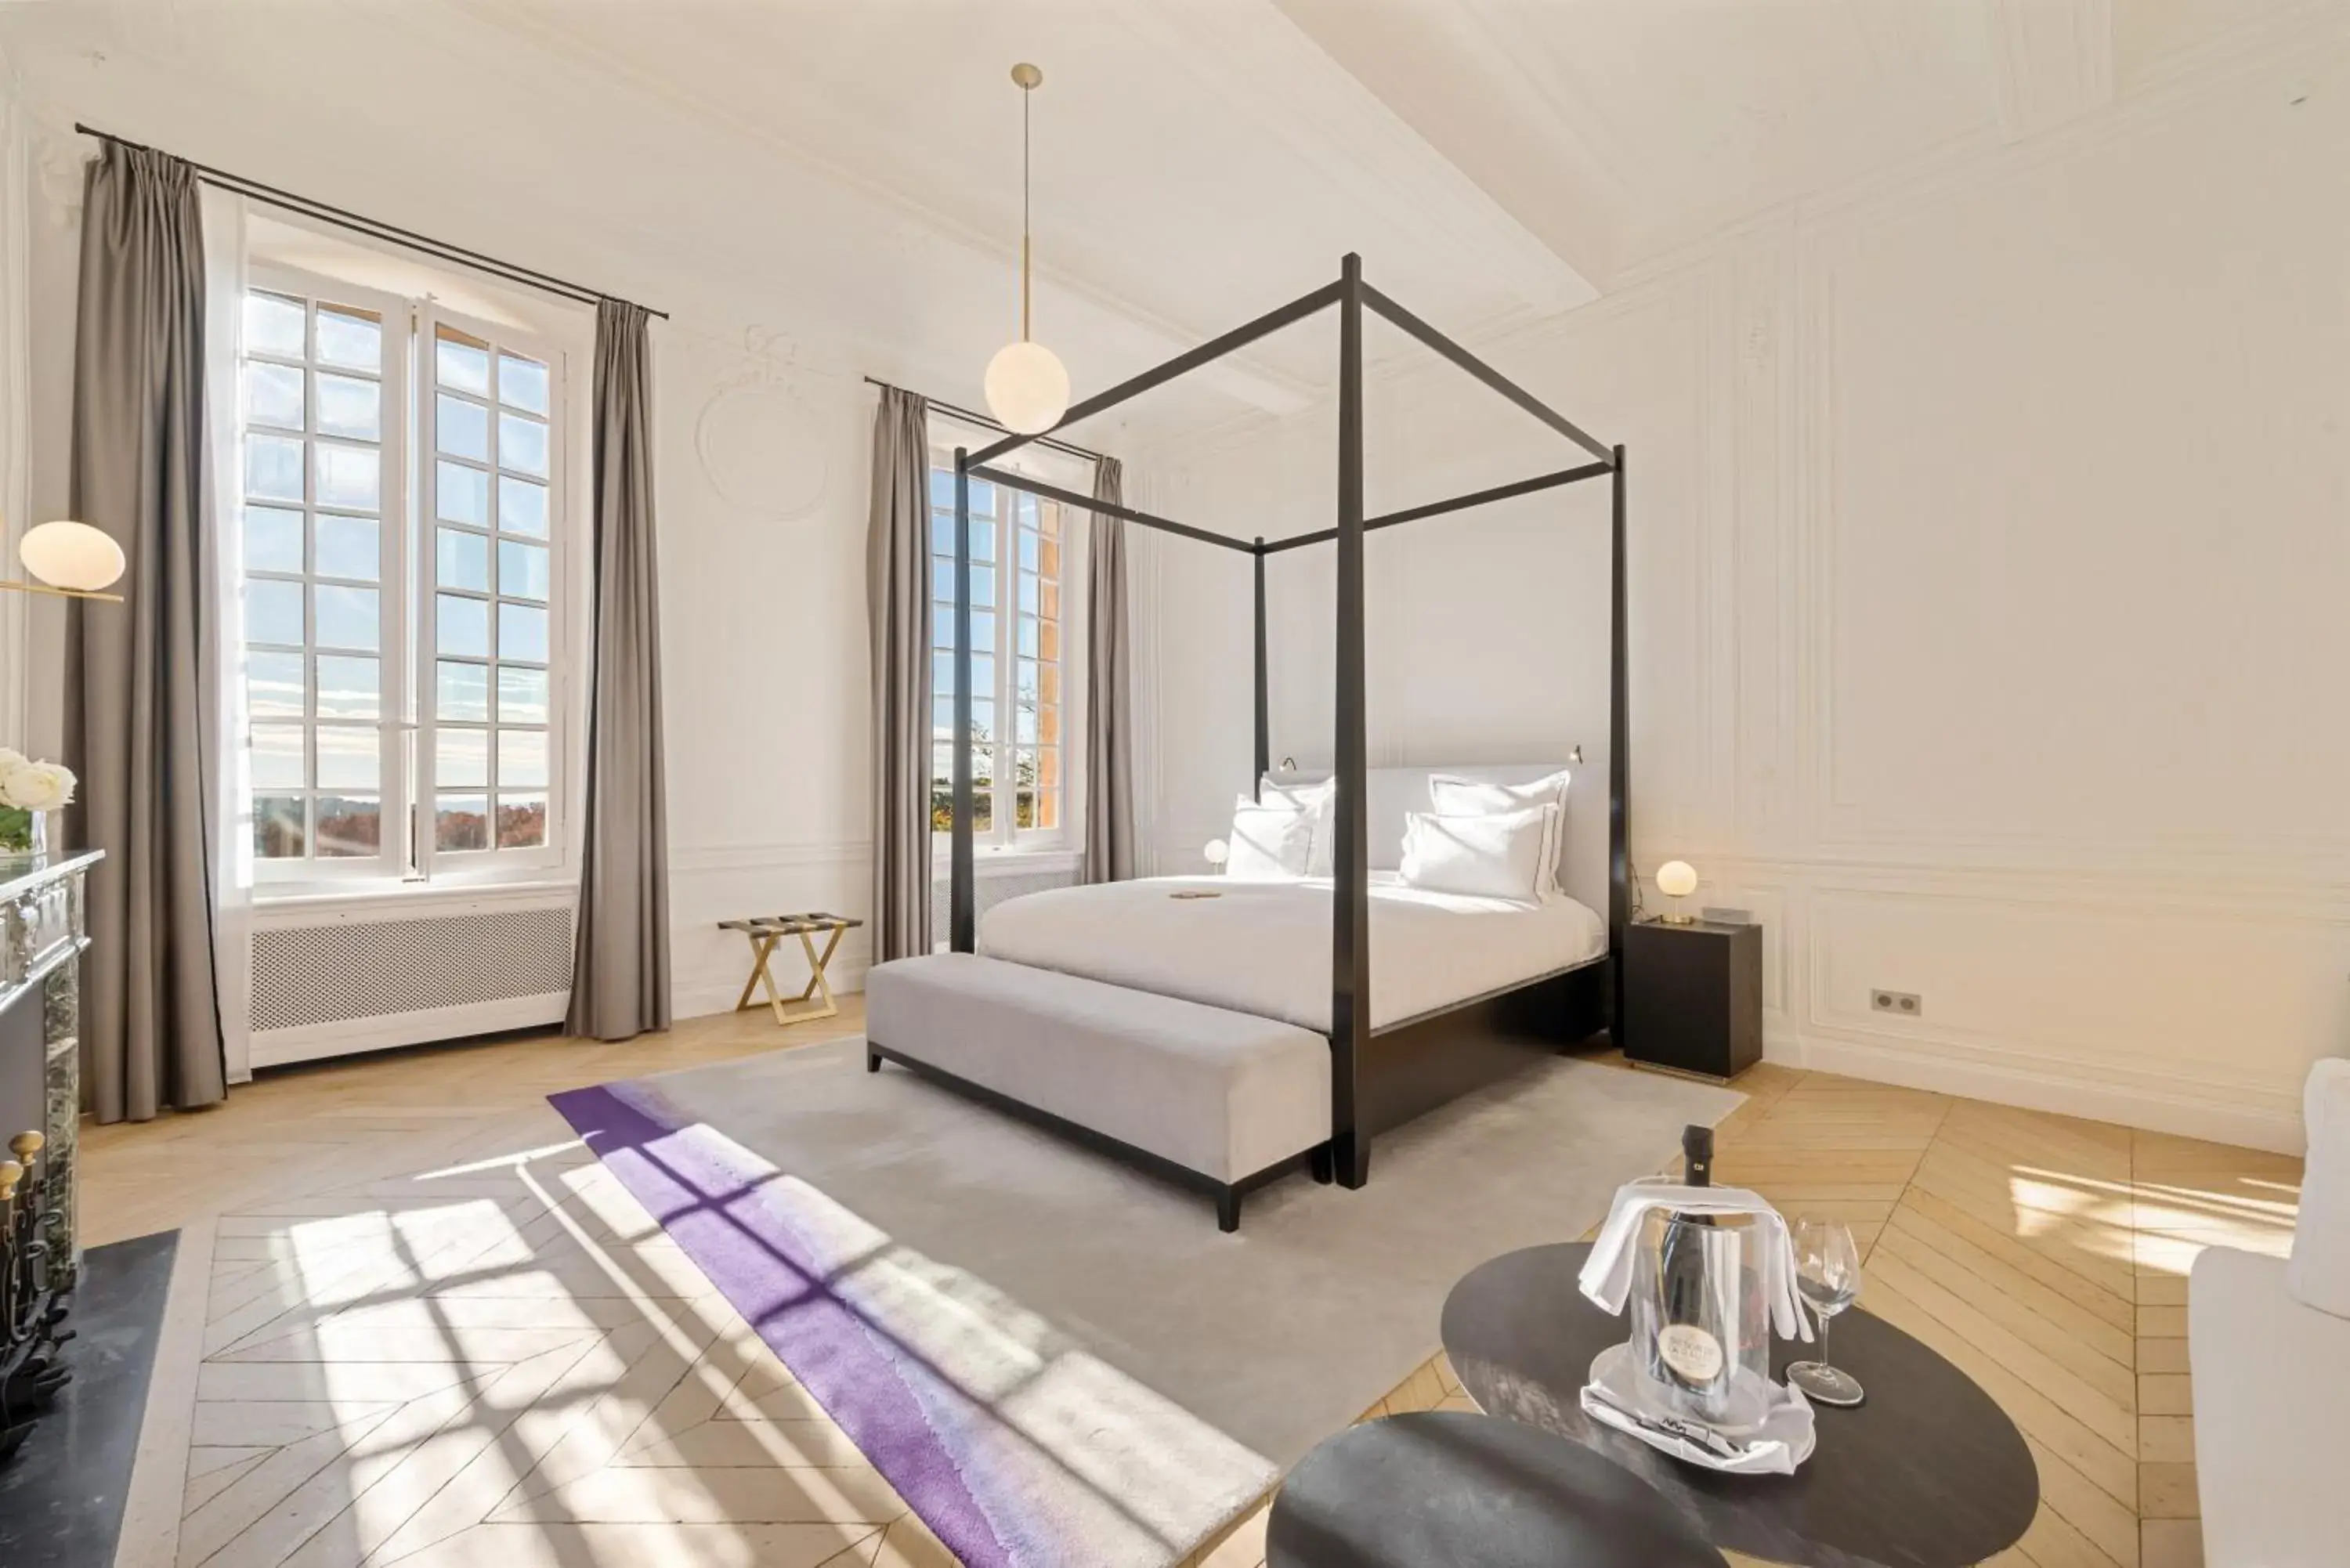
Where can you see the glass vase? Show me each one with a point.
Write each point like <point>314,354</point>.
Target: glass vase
<point>24,832</point>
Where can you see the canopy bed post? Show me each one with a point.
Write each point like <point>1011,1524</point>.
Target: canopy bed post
<point>1619,755</point>
<point>1263,710</point>
<point>1350,905</point>
<point>963,927</point>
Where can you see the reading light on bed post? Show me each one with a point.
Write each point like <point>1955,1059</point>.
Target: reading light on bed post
<point>1027,387</point>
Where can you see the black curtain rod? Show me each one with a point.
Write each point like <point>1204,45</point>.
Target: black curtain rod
<point>985,421</point>
<point>511,271</point>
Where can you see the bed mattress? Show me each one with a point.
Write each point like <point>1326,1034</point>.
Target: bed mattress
<point>1265,947</point>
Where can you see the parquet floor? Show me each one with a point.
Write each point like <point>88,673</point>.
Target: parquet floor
<point>427,1329</point>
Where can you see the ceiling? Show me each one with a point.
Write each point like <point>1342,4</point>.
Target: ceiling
<point>851,166</point>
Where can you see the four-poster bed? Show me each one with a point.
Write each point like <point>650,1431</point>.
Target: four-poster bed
<point>1381,1072</point>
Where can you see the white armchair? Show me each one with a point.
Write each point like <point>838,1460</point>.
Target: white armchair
<point>2268,1343</point>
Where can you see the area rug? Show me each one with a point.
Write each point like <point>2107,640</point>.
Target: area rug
<point>1056,1359</point>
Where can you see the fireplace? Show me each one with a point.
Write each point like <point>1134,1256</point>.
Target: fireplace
<point>41,942</point>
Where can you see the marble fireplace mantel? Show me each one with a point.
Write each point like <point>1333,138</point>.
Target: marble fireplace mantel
<point>42,936</point>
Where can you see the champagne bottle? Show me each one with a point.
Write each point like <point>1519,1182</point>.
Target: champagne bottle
<point>1688,1348</point>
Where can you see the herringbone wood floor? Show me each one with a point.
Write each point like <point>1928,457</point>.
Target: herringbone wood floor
<point>431,1331</point>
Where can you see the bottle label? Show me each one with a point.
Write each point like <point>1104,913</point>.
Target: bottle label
<point>1694,1356</point>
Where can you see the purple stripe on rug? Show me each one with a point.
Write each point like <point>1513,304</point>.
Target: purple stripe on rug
<point>713,1212</point>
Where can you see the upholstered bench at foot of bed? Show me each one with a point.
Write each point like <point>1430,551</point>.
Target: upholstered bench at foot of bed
<point>1222,1100</point>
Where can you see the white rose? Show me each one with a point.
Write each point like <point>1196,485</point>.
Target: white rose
<point>11,760</point>
<point>37,786</point>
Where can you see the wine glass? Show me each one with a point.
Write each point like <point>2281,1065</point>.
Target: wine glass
<point>1827,1273</point>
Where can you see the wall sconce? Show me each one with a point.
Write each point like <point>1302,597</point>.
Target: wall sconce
<point>71,560</point>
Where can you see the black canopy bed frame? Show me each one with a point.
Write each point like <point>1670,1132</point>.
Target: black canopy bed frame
<point>1385,1077</point>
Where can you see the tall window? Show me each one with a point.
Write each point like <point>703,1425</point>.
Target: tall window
<point>403,619</point>
<point>1018,546</point>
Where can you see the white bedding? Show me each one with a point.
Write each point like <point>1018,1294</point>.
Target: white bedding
<point>1265,947</point>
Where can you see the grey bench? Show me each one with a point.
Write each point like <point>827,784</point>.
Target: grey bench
<point>1219,1101</point>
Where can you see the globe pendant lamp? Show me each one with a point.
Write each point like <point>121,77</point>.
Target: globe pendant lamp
<point>1027,387</point>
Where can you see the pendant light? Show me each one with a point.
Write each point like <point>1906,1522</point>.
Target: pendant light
<point>1027,387</point>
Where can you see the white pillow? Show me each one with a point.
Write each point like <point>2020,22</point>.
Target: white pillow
<point>2319,1272</point>
<point>1269,843</point>
<point>1499,856</point>
<point>1453,795</point>
<point>1317,802</point>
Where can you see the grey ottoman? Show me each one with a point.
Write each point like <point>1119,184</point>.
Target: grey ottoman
<point>1222,1100</point>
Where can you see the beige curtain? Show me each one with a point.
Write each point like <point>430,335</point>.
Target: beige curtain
<point>141,677</point>
<point>1109,720</point>
<point>619,965</point>
<point>898,612</point>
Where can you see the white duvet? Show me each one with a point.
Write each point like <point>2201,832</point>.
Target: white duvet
<point>1265,947</point>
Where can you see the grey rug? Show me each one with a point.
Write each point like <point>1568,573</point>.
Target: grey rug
<point>1056,1359</point>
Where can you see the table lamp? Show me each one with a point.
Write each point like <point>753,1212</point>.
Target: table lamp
<point>1676,879</point>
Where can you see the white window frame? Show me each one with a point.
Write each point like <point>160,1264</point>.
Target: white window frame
<point>392,726</point>
<point>408,864</point>
<point>431,859</point>
<point>1004,839</point>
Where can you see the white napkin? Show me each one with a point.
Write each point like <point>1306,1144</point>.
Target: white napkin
<point>1606,1276</point>
<point>1784,1440</point>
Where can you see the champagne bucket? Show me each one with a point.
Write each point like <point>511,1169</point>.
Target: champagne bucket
<point>1700,1325</point>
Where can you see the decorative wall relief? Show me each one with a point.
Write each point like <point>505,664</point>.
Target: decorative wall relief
<point>762,445</point>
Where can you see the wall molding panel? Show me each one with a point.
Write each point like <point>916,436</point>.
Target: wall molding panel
<point>1954,663</point>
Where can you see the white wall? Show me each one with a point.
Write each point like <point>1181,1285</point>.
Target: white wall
<point>1988,564</point>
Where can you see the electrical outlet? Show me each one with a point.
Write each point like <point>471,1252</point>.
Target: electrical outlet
<point>1900,1002</point>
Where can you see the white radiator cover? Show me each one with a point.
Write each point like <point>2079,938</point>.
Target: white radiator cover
<point>349,982</point>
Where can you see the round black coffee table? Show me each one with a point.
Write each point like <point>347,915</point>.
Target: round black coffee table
<point>1926,1472</point>
<point>1448,1488</point>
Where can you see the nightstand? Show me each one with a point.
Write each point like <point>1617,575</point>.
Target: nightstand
<point>1693,997</point>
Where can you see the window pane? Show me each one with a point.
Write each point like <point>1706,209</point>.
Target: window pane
<point>276,757</point>
<point>463,625</point>
<point>463,560</point>
<point>1025,725</point>
<point>1028,593</point>
<point>273,468</point>
<point>522,632</point>
<point>1024,682</point>
<point>350,337</point>
<point>349,688</point>
<point>982,539</point>
<point>462,494</point>
<point>521,444</point>
<point>521,695</point>
<point>522,759</point>
<point>461,692</point>
<point>350,407</point>
<point>1049,605</point>
<point>273,685</point>
<point>983,720</point>
<point>941,627</point>
<point>1047,634</point>
<point>1028,639</point>
<point>277,827</point>
<point>464,365</point>
<point>942,591</point>
<point>461,822</point>
<point>982,499</point>
<point>272,611</point>
<point>273,395</point>
<point>273,540</point>
<point>350,547</point>
<point>522,570</point>
<point>461,757</point>
<point>522,821</point>
<point>942,481</point>
<point>273,325</point>
<point>522,506</point>
<point>1027,550</point>
<point>982,673</point>
<point>982,587</point>
<point>349,757</point>
<point>348,617</point>
<point>349,826</point>
<point>522,382</point>
<point>942,715</point>
<point>349,476</point>
<point>942,674</point>
<point>461,428</point>
<point>942,533</point>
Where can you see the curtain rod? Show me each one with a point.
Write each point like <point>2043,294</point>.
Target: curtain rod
<point>512,272</point>
<point>987,422</point>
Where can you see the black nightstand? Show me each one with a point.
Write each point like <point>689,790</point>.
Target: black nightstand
<point>1693,997</point>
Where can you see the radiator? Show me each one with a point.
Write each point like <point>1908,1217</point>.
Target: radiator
<point>364,982</point>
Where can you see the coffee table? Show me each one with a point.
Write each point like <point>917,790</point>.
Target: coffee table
<point>1926,1472</point>
<point>1438,1489</point>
